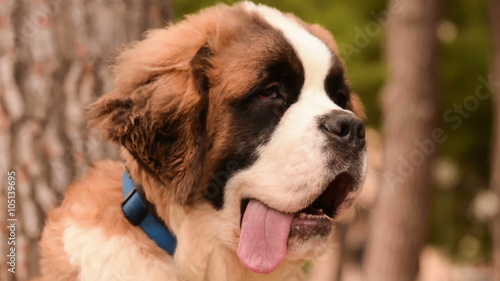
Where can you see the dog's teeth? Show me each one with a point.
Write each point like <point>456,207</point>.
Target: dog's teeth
<point>313,217</point>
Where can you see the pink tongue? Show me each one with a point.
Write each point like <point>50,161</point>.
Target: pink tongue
<point>263,239</point>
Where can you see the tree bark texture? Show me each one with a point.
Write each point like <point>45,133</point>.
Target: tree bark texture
<point>54,60</point>
<point>494,7</point>
<point>410,107</point>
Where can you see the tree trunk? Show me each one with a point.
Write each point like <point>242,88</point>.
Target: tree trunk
<point>410,105</point>
<point>495,161</point>
<point>54,58</point>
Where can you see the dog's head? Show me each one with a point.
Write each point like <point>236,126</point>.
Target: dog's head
<point>248,110</point>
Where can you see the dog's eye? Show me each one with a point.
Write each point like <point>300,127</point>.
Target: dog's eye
<point>270,93</point>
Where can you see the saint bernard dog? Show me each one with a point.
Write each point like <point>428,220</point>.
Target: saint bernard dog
<point>243,140</point>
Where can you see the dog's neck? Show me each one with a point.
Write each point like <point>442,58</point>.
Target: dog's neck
<point>201,253</point>
<point>160,199</point>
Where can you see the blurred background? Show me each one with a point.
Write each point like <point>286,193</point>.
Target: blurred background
<point>427,71</point>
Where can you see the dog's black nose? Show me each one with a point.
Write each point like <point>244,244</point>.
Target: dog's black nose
<point>343,127</point>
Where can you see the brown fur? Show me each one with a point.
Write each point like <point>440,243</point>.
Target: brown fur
<point>156,114</point>
<point>94,200</point>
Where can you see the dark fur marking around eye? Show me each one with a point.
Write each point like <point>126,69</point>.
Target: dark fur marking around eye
<point>253,119</point>
<point>335,84</point>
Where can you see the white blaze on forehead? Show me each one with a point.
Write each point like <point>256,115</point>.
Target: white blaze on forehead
<point>316,58</point>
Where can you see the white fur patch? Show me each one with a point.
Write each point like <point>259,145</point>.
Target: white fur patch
<point>112,258</point>
<point>291,169</point>
<point>314,55</point>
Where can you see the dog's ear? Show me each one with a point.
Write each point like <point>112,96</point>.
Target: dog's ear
<point>160,131</point>
<point>111,114</point>
<point>160,118</point>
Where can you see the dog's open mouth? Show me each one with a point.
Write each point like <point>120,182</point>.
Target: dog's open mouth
<point>265,231</point>
<point>316,218</point>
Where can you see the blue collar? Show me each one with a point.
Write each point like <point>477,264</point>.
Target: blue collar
<point>135,210</point>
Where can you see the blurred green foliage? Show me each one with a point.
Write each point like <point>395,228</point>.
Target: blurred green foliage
<point>358,27</point>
